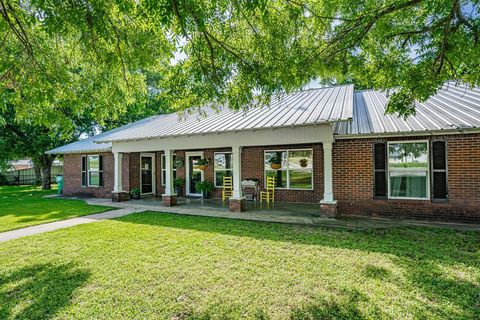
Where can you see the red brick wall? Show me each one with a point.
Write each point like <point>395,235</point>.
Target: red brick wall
<point>353,182</point>
<point>73,176</point>
<point>133,170</point>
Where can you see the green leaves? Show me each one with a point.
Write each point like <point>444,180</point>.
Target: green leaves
<point>94,57</point>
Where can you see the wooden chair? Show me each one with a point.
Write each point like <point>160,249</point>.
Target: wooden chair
<point>269,193</point>
<point>227,191</point>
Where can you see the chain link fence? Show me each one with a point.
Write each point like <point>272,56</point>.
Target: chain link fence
<point>27,176</point>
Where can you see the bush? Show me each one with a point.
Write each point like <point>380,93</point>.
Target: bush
<point>3,180</point>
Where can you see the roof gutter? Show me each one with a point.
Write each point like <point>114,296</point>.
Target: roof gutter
<point>78,151</point>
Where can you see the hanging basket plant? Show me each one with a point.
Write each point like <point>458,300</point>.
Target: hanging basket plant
<point>303,163</point>
<point>276,162</point>
<point>179,163</point>
<point>202,164</point>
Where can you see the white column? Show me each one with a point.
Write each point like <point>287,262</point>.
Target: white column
<point>169,189</point>
<point>237,172</point>
<point>327,173</point>
<point>117,186</point>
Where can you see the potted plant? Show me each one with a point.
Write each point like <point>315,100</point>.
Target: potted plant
<point>179,183</point>
<point>303,162</point>
<point>205,187</point>
<point>135,193</point>
<point>276,161</point>
<point>202,164</point>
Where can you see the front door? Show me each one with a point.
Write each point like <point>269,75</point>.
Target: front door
<point>147,174</point>
<point>194,174</point>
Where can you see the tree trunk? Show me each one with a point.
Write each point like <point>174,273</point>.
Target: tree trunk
<point>46,169</point>
<point>38,173</point>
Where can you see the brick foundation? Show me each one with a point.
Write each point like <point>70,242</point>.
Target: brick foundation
<point>169,200</point>
<point>236,204</point>
<point>328,209</point>
<point>120,196</point>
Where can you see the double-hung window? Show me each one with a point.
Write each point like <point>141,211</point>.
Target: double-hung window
<point>408,170</point>
<point>164,171</point>
<point>292,169</point>
<point>94,170</point>
<point>223,167</point>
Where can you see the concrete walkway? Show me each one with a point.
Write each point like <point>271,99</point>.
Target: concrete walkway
<point>298,215</point>
<point>41,228</point>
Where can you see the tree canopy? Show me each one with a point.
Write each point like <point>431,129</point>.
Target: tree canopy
<point>59,58</point>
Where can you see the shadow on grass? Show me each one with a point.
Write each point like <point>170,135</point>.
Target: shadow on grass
<point>345,305</point>
<point>421,252</point>
<point>39,291</point>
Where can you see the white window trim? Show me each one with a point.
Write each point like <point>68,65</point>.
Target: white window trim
<point>427,170</point>
<point>88,171</point>
<point>162,169</point>
<point>288,169</point>
<point>215,170</point>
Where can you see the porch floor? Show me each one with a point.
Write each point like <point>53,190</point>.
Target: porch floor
<point>283,212</point>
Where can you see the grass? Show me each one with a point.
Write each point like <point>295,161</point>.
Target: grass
<point>163,266</point>
<point>23,206</point>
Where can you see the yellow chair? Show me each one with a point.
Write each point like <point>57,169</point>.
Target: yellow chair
<point>227,191</point>
<point>269,194</point>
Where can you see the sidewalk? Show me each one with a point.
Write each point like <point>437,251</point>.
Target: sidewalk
<point>19,233</point>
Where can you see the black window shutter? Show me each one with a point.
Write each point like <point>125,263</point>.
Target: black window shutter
<point>380,167</point>
<point>100,169</point>
<point>84,171</point>
<point>439,170</point>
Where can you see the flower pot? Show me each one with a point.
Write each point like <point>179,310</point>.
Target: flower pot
<point>135,196</point>
<point>179,191</point>
<point>205,194</point>
<point>202,166</point>
<point>275,166</point>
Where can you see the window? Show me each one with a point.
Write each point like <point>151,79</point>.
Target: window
<point>293,169</point>
<point>95,171</point>
<point>223,167</point>
<point>164,172</point>
<point>408,173</point>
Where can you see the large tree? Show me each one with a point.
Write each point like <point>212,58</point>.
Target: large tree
<point>236,51</point>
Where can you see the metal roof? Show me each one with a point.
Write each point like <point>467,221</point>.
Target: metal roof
<point>89,145</point>
<point>354,114</point>
<point>313,106</point>
<point>454,107</point>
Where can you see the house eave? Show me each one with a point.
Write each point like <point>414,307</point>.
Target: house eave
<point>224,131</point>
<point>406,133</point>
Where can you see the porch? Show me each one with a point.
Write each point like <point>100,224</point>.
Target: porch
<point>280,212</point>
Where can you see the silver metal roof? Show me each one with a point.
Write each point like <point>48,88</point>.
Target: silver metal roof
<point>89,145</point>
<point>354,114</point>
<point>313,106</point>
<point>453,107</point>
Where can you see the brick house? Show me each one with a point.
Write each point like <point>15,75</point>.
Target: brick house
<point>336,145</point>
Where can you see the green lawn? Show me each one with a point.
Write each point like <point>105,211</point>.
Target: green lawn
<point>25,206</point>
<point>152,265</point>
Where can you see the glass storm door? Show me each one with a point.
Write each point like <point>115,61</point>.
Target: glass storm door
<point>194,174</point>
<point>146,174</point>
